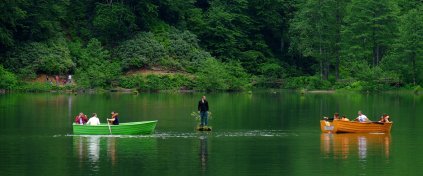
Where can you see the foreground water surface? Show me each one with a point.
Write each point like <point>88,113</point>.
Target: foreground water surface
<point>264,133</point>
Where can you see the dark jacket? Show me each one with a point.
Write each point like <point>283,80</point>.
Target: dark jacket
<point>116,122</point>
<point>203,106</point>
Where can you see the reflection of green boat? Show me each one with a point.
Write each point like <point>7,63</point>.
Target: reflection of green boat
<point>144,127</point>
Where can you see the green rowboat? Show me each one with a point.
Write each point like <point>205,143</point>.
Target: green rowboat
<point>133,128</point>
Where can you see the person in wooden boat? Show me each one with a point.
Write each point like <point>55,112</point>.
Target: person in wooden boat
<point>384,118</point>
<point>343,118</point>
<point>114,120</point>
<point>203,107</point>
<point>81,118</point>
<point>93,120</point>
<point>336,116</point>
<point>361,117</point>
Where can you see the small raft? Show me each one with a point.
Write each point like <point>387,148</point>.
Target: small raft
<point>204,128</point>
<point>340,126</point>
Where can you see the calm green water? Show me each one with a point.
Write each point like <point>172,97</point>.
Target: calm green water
<point>254,134</point>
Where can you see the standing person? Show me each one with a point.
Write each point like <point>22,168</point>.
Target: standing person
<point>203,107</point>
<point>70,79</point>
<point>115,119</point>
<point>361,117</point>
<point>94,120</point>
<point>57,80</point>
<point>81,119</point>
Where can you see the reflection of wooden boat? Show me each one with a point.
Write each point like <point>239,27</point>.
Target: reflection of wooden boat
<point>347,144</point>
<point>339,126</point>
<point>144,127</point>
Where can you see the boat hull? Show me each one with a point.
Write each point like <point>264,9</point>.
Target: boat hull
<point>132,128</point>
<point>339,126</point>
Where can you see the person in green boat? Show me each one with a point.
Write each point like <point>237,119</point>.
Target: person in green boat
<point>115,119</point>
<point>81,119</point>
<point>93,120</point>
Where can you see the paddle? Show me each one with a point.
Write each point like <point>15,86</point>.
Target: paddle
<point>108,124</point>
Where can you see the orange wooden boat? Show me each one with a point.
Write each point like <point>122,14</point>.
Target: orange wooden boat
<point>340,126</point>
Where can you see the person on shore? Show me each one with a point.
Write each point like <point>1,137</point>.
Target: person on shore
<point>81,118</point>
<point>384,118</point>
<point>203,107</point>
<point>70,79</point>
<point>57,80</point>
<point>114,120</point>
<point>361,117</point>
<point>94,120</point>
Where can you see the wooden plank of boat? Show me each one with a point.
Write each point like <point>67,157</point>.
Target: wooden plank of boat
<point>339,126</point>
<point>131,128</point>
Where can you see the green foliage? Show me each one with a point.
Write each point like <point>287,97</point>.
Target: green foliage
<point>307,82</point>
<point>237,79</point>
<point>113,22</point>
<point>366,45</point>
<point>212,75</point>
<point>52,57</point>
<point>197,117</point>
<point>172,49</point>
<point>141,51</point>
<point>11,13</point>
<point>35,87</point>
<point>370,25</point>
<point>94,68</point>
<point>8,80</point>
<point>152,82</point>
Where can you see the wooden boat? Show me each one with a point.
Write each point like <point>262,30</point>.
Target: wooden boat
<point>340,126</point>
<point>134,128</point>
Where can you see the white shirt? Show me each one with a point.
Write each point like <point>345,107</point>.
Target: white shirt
<point>362,118</point>
<point>70,77</point>
<point>93,121</point>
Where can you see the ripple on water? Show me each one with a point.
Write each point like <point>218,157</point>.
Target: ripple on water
<point>171,134</point>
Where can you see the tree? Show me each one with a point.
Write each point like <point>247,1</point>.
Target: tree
<point>11,13</point>
<point>113,22</point>
<point>94,68</point>
<point>369,30</point>
<point>315,32</point>
<point>406,56</point>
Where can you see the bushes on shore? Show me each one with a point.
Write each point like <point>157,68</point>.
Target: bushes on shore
<point>8,80</point>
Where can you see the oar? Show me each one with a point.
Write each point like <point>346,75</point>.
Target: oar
<point>108,124</point>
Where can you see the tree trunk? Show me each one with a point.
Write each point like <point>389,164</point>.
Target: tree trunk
<point>413,61</point>
<point>282,47</point>
<point>338,40</point>
<point>377,54</point>
<point>374,42</point>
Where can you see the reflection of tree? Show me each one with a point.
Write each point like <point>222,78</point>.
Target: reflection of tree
<point>343,145</point>
<point>203,153</point>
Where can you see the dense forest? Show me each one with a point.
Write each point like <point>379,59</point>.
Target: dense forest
<point>213,44</point>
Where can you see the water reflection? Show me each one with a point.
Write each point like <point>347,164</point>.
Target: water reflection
<point>343,146</point>
<point>88,150</point>
<point>203,152</point>
<point>111,150</point>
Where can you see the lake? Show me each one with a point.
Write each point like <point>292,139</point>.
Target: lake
<point>264,133</point>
